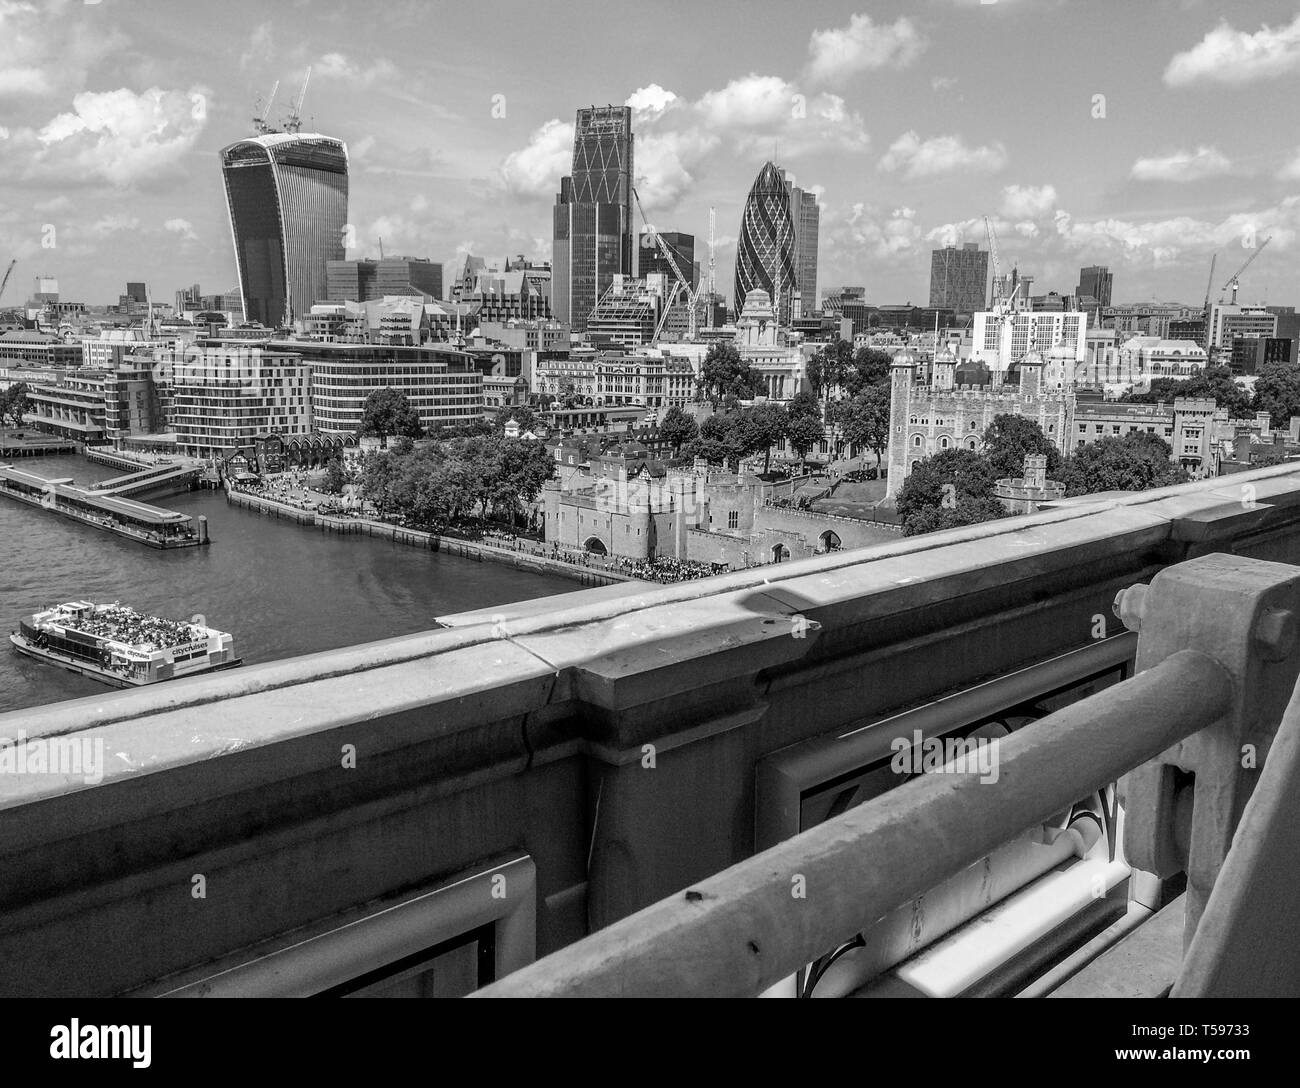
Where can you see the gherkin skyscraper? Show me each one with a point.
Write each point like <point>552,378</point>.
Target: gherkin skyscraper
<point>765,251</point>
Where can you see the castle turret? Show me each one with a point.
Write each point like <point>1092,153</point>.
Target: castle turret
<point>902,383</point>
<point>945,369</point>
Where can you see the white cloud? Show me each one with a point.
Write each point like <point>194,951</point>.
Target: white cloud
<point>1027,201</point>
<point>183,227</point>
<point>122,136</point>
<point>49,50</point>
<point>652,99</point>
<point>4,133</point>
<point>868,234</point>
<point>919,158</point>
<point>841,52</point>
<point>942,83</point>
<point>1231,56</point>
<point>261,47</point>
<point>1164,239</point>
<point>338,66</point>
<point>535,170</point>
<point>114,223</point>
<point>1291,169</point>
<point>755,110</point>
<point>1204,162</point>
<point>665,161</point>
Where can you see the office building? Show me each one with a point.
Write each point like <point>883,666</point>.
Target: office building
<point>653,259</point>
<point>443,385</point>
<point>765,246</point>
<point>1096,280</point>
<point>959,278</point>
<point>806,215</point>
<point>223,394</point>
<point>628,313</point>
<point>593,225</point>
<point>366,281</point>
<point>287,194</point>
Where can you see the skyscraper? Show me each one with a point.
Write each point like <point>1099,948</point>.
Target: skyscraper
<point>287,193</point>
<point>593,235</point>
<point>806,215</point>
<point>765,249</point>
<point>652,257</point>
<point>1096,280</point>
<point>959,278</point>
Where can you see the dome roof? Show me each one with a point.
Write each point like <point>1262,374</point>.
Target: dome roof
<point>1030,358</point>
<point>946,355</point>
<point>904,358</point>
<point>1061,352</point>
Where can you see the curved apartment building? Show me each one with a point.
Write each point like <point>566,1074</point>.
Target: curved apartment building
<point>287,193</point>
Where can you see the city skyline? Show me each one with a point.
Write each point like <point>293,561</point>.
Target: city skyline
<point>111,122</point>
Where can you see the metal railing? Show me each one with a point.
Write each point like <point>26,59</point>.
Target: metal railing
<point>1217,659</point>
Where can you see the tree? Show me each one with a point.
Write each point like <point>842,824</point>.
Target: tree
<point>954,487</point>
<point>724,373</point>
<point>759,428</point>
<point>804,404</point>
<point>829,367</point>
<point>388,412</point>
<point>678,428</point>
<point>336,476</point>
<point>871,367</point>
<point>1277,392</point>
<point>1138,461</point>
<point>520,413</point>
<point>718,442</point>
<point>1009,438</point>
<point>804,432</point>
<point>864,420</point>
<point>14,403</point>
<point>1216,382</point>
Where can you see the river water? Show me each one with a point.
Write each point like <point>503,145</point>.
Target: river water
<point>280,588</point>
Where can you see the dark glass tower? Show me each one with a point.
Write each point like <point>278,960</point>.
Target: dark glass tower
<point>765,251</point>
<point>593,236</point>
<point>288,198</point>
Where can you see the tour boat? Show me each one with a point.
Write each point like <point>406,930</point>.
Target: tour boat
<point>120,646</point>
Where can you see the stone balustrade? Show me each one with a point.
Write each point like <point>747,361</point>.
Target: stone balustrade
<point>613,738</point>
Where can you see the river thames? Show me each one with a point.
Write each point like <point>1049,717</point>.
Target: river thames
<point>281,589</point>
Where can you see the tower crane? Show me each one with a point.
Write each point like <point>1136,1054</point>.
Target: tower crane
<point>997,264</point>
<point>294,121</point>
<point>262,112</point>
<point>1232,283</point>
<point>691,293</point>
<point>8,272</point>
<point>713,287</point>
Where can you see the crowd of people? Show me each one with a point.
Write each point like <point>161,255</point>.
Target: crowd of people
<point>660,569</point>
<point>667,569</point>
<point>122,624</point>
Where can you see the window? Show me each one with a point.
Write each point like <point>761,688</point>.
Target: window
<point>733,519</point>
<point>916,440</point>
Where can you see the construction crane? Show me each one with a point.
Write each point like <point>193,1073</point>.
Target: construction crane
<point>1209,283</point>
<point>8,272</point>
<point>263,111</point>
<point>1232,283</point>
<point>997,264</point>
<point>713,287</point>
<point>293,123</point>
<point>691,293</point>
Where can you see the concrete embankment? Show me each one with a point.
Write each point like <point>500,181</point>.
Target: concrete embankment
<point>478,551</point>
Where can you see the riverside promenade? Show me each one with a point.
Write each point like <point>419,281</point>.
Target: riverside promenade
<point>524,556</point>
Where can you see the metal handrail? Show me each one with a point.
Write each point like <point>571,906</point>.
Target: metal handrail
<point>743,930</point>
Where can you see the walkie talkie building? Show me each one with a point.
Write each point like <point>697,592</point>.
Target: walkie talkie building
<point>288,198</point>
<point>765,251</point>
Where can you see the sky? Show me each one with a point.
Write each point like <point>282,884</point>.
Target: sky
<point>1144,136</point>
